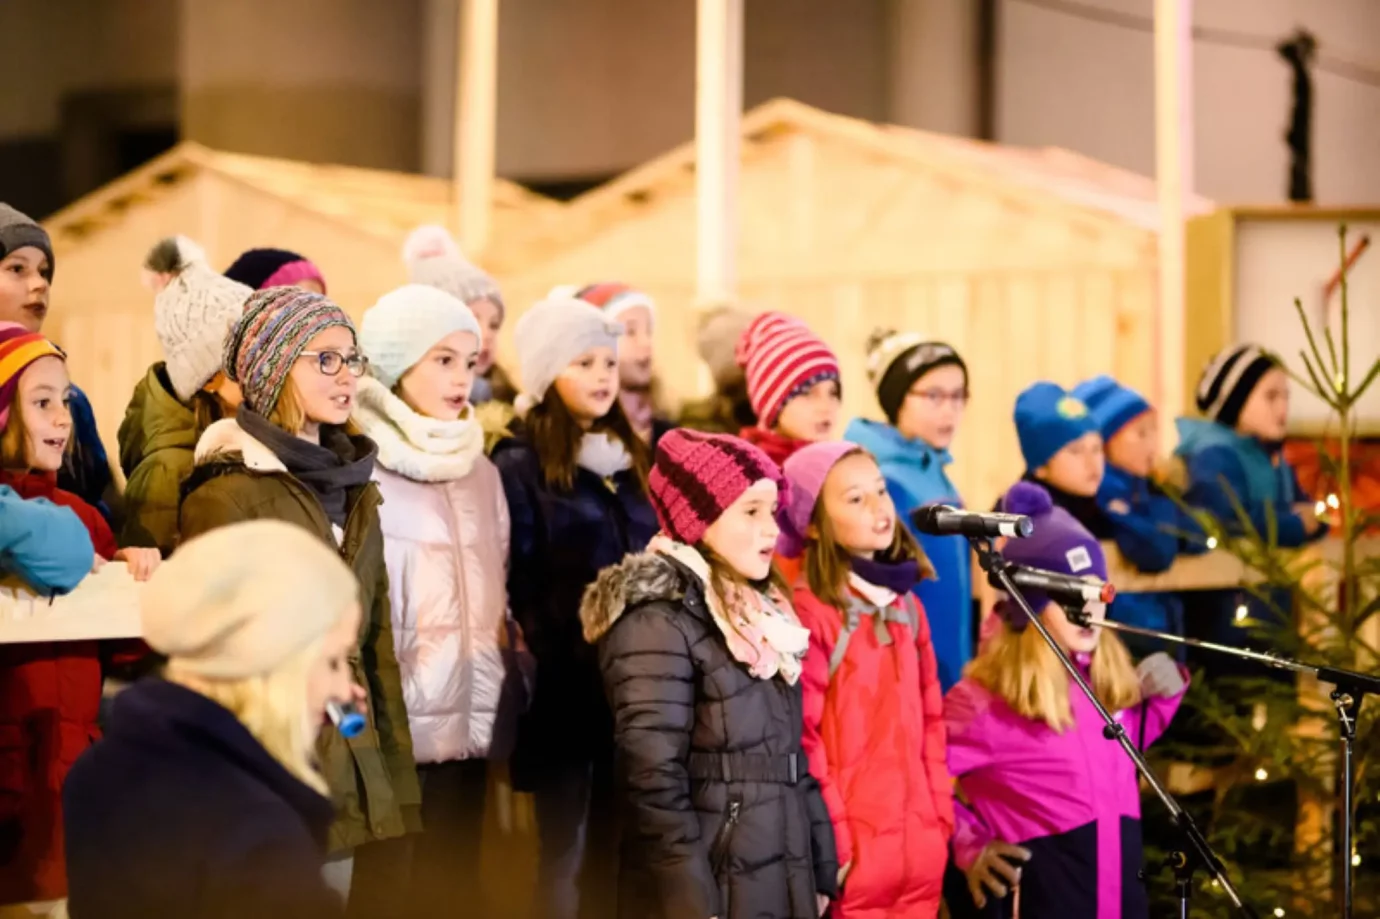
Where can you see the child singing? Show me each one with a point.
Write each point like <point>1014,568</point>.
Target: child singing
<point>793,384</point>
<point>874,710</point>
<point>1053,806</point>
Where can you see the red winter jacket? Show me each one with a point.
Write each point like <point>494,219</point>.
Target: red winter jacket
<point>50,694</point>
<point>874,733</point>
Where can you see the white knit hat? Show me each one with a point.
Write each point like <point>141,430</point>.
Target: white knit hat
<point>551,335</point>
<point>407,323</point>
<point>433,258</point>
<point>240,600</point>
<point>193,314</point>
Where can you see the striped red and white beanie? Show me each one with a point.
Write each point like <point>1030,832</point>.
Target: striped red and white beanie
<point>781,358</point>
<point>612,297</point>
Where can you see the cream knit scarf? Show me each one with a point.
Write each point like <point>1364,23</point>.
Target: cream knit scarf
<point>420,448</point>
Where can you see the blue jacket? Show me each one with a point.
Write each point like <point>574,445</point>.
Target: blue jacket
<point>86,473</point>
<point>915,477</point>
<point>1151,530</point>
<point>1217,458</point>
<point>180,811</point>
<point>46,546</point>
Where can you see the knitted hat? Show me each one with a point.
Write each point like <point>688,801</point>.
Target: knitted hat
<point>193,314</point>
<point>18,349</point>
<point>433,258</point>
<point>696,477</point>
<point>261,268</point>
<point>781,358</point>
<point>240,600</point>
<point>1112,405</point>
<point>407,323</point>
<point>720,328</point>
<point>272,333</point>
<point>1060,543</point>
<point>18,231</point>
<point>1228,380</point>
<point>895,360</point>
<point>551,335</point>
<point>615,299</point>
<point>806,469</point>
<point>1048,419</point>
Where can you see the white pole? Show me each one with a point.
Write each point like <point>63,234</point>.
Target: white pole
<point>476,106</point>
<point>718,113</point>
<point>1174,174</point>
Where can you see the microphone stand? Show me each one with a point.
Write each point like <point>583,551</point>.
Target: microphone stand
<point>1349,689</point>
<point>1198,851</point>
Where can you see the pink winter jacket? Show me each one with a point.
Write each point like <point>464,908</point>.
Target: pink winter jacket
<point>445,528</point>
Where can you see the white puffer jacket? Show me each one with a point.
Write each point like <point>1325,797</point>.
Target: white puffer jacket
<point>445,527</point>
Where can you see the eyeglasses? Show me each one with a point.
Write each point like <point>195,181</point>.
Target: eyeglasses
<point>938,397</point>
<point>331,362</point>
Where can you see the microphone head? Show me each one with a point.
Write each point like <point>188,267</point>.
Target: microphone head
<point>1108,592</point>
<point>1024,527</point>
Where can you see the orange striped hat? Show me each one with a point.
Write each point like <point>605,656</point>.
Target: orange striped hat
<point>18,349</point>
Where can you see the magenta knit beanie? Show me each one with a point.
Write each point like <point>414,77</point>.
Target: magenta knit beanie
<point>806,470</point>
<point>696,477</point>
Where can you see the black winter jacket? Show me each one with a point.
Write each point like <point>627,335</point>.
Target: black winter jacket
<point>720,815</point>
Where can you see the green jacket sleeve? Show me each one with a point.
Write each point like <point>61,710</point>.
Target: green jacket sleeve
<point>151,511</point>
<point>390,713</point>
<point>208,507</point>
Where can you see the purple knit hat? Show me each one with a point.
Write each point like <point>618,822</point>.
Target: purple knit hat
<point>277,324</point>
<point>697,476</point>
<point>1060,543</point>
<point>806,470</point>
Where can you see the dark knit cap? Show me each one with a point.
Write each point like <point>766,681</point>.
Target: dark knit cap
<point>696,477</point>
<point>1228,380</point>
<point>261,268</point>
<point>18,231</point>
<point>895,360</point>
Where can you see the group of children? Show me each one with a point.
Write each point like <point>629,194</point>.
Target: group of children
<point>734,681</point>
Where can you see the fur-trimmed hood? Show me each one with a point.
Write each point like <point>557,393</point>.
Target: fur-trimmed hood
<point>639,578</point>
<point>225,441</point>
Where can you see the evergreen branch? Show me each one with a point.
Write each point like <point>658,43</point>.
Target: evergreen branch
<point>1365,383</point>
<point>1308,332</point>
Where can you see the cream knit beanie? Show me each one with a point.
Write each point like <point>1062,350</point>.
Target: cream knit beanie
<point>240,600</point>
<point>550,336</point>
<point>398,330</point>
<point>193,314</point>
<point>433,258</point>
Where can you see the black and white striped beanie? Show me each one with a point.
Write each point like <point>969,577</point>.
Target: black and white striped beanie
<point>1228,379</point>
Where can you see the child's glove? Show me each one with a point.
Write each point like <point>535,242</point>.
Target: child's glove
<point>1160,676</point>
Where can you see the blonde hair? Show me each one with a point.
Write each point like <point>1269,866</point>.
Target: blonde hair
<point>1021,669</point>
<point>272,707</point>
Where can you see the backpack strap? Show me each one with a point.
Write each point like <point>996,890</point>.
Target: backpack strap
<point>851,617</point>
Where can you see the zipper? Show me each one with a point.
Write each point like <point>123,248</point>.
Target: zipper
<point>718,852</point>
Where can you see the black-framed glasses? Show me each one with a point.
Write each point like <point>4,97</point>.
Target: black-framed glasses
<point>330,363</point>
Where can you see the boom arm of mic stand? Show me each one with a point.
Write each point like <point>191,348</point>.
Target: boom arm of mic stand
<point>996,568</point>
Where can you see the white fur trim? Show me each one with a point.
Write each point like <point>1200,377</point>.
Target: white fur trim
<point>603,454</point>
<point>226,436</point>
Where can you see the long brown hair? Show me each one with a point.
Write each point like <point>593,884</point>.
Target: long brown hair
<point>555,435</point>
<point>828,564</point>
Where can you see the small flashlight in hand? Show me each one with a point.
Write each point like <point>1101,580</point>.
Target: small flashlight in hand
<point>346,720</point>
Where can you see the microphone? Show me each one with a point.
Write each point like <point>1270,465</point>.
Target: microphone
<point>943,520</point>
<point>346,719</point>
<point>1065,589</point>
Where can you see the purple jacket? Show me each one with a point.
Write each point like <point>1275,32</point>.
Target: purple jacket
<point>1073,799</point>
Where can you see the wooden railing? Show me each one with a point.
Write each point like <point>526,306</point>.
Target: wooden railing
<point>1222,570</point>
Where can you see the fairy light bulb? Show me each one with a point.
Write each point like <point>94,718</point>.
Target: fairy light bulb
<point>1279,912</point>
<point>1261,775</point>
<point>1320,508</point>
<point>1241,612</point>
<point>1355,860</point>
<point>1212,542</point>
<point>1334,502</point>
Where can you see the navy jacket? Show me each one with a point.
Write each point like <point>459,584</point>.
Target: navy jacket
<point>181,812</point>
<point>560,542</point>
<point>86,473</point>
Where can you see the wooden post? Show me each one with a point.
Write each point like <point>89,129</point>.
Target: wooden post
<point>1174,175</point>
<point>718,114</point>
<point>476,105</point>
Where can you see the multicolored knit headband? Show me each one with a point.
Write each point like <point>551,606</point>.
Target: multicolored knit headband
<point>18,349</point>
<point>277,325</point>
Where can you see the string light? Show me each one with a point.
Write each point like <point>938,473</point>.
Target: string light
<point>1212,542</point>
<point>1261,775</point>
<point>1355,860</point>
<point>1242,612</point>
<point>1333,502</point>
<point>1320,508</point>
<point>1279,912</point>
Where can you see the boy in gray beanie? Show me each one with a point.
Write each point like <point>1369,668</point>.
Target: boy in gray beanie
<point>26,279</point>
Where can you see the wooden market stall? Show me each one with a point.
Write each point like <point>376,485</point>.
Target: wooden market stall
<point>1033,263</point>
<point>351,222</point>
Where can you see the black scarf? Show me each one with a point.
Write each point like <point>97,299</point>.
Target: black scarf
<point>897,577</point>
<point>1083,508</point>
<point>329,469</point>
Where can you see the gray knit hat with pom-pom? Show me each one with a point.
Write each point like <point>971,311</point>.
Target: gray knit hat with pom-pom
<point>193,313</point>
<point>433,258</point>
